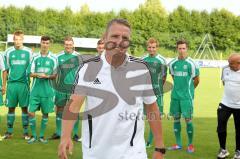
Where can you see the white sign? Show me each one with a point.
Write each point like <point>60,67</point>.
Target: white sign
<point>78,42</point>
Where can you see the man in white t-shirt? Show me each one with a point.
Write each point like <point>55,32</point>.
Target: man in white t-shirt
<point>230,104</point>
<point>115,86</point>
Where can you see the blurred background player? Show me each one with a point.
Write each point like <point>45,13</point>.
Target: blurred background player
<point>158,68</point>
<point>229,105</point>
<point>67,67</point>
<point>100,46</point>
<point>17,58</point>
<point>43,69</point>
<point>185,74</point>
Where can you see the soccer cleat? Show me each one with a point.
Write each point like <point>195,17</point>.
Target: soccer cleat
<point>175,147</point>
<point>80,140</point>
<point>222,153</point>
<point>237,155</point>
<point>7,135</point>
<point>42,140</point>
<point>55,136</point>
<point>76,138</point>
<point>32,140</point>
<point>190,148</point>
<point>26,136</point>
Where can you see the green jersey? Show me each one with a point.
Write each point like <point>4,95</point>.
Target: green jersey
<point>43,64</point>
<point>158,67</point>
<point>68,64</point>
<point>183,72</point>
<point>17,61</point>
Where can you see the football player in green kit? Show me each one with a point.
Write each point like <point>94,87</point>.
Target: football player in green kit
<point>158,68</point>
<point>43,69</point>
<point>67,68</point>
<point>185,74</point>
<point>17,58</point>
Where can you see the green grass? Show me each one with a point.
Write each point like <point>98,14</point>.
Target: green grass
<point>207,97</point>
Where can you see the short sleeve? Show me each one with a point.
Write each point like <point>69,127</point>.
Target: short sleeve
<point>149,96</point>
<point>55,61</point>
<point>79,81</point>
<point>171,72</point>
<point>223,76</point>
<point>32,66</point>
<point>195,70</point>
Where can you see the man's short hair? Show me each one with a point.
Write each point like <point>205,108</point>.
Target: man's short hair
<point>118,21</point>
<point>68,38</point>
<point>18,33</point>
<point>101,41</point>
<point>152,41</point>
<point>45,38</point>
<point>182,41</point>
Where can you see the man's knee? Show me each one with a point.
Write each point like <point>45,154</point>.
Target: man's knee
<point>188,120</point>
<point>59,109</point>
<point>45,116</point>
<point>11,110</point>
<point>31,115</point>
<point>25,110</point>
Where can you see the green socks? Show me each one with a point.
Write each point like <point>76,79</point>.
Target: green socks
<point>177,132</point>
<point>75,128</point>
<point>10,122</point>
<point>150,137</point>
<point>58,123</point>
<point>32,123</point>
<point>43,126</point>
<point>25,123</point>
<point>190,132</point>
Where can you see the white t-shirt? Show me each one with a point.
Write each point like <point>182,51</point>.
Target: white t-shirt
<point>117,133</point>
<point>231,96</point>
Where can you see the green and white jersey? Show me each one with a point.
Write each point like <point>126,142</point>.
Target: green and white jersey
<point>183,72</point>
<point>2,68</point>
<point>68,64</point>
<point>43,64</point>
<point>158,69</point>
<point>17,61</point>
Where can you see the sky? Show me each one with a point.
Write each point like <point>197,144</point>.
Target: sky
<point>116,5</point>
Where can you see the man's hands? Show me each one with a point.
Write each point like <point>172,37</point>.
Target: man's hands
<point>42,75</point>
<point>65,147</point>
<point>3,90</point>
<point>157,155</point>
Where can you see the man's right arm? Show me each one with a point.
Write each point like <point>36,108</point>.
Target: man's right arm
<point>70,115</point>
<point>34,75</point>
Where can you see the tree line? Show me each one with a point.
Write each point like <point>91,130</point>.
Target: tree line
<point>148,20</point>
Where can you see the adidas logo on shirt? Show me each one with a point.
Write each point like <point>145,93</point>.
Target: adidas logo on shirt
<point>96,81</point>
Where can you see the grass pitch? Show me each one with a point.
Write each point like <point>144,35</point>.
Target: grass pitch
<point>208,95</point>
